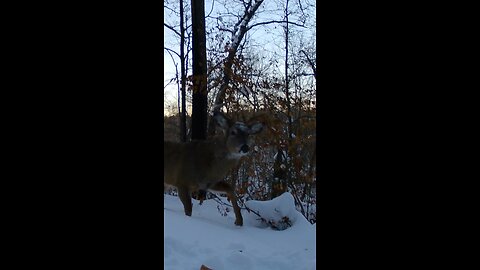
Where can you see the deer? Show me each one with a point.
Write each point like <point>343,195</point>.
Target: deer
<point>202,165</point>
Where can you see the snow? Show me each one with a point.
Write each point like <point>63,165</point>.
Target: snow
<point>274,210</point>
<point>210,239</point>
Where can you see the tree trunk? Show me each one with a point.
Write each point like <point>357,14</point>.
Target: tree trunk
<point>199,97</point>
<point>183,116</point>
<point>240,29</point>
<point>287,161</point>
<point>287,91</point>
<point>279,175</point>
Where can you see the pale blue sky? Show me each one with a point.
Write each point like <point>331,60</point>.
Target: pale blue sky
<point>264,38</point>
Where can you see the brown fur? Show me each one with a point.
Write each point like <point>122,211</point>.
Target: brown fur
<point>202,165</point>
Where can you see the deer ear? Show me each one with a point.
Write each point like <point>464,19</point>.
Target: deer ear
<point>256,128</point>
<point>221,120</point>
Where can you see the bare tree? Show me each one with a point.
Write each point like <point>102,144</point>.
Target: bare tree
<point>238,32</point>
<point>182,32</point>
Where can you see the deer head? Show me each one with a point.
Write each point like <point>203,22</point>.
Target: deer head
<point>237,134</point>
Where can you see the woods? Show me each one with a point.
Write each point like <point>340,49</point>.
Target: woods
<point>260,65</point>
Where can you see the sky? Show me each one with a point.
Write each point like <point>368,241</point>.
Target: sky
<point>208,238</point>
<point>260,35</point>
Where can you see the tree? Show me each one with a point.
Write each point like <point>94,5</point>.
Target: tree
<point>238,32</point>
<point>182,32</point>
<point>183,113</point>
<point>199,98</point>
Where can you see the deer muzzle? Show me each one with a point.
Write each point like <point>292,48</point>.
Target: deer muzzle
<point>244,148</point>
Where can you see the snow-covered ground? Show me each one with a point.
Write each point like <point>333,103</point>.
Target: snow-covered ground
<point>210,239</point>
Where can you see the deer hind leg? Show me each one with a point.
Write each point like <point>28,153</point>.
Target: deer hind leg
<point>202,195</point>
<point>225,187</point>
<point>186,199</point>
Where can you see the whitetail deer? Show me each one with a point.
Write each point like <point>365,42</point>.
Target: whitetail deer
<point>201,165</point>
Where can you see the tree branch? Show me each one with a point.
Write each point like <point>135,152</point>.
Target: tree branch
<point>219,201</point>
<point>170,50</point>
<point>171,9</point>
<point>225,29</point>
<point>270,22</point>
<point>172,29</point>
<point>312,65</point>
<point>213,3</point>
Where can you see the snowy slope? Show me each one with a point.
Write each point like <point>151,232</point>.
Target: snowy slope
<point>213,240</point>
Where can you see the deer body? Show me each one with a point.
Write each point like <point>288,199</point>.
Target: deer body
<point>186,163</point>
<point>202,165</point>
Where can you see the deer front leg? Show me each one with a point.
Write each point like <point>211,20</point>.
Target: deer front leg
<point>225,187</point>
<point>186,199</point>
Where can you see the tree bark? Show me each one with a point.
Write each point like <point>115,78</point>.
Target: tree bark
<point>287,86</point>
<point>199,97</point>
<point>183,116</point>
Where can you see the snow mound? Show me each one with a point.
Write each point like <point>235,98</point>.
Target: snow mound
<point>279,213</point>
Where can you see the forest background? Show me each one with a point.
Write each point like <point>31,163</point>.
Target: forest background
<point>261,66</point>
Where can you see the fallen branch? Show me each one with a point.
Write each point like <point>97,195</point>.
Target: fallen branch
<point>281,225</point>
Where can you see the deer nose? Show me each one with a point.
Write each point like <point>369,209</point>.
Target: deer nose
<point>244,148</point>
